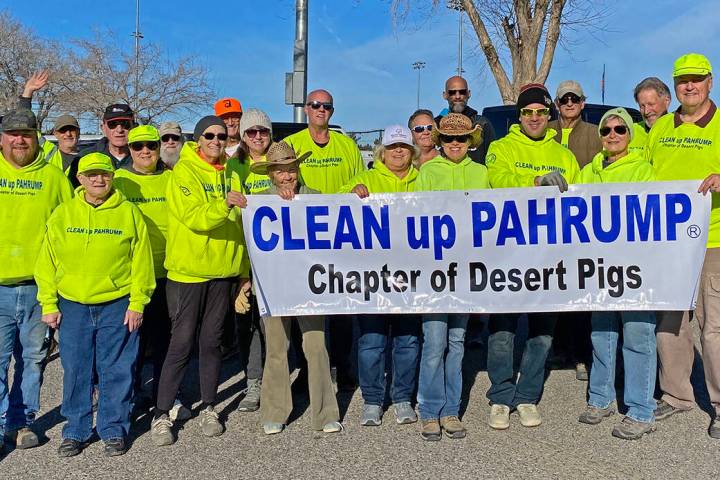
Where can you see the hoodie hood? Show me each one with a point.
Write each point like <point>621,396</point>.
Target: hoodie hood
<point>33,166</point>
<point>113,201</point>
<point>189,153</point>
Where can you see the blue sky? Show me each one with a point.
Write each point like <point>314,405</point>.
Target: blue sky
<point>355,52</point>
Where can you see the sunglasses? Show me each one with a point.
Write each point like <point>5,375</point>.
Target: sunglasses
<point>529,112</point>
<point>252,133</point>
<point>315,105</point>
<point>211,136</point>
<point>422,128</point>
<point>66,129</point>
<point>454,138</point>
<point>568,97</point>
<point>619,129</point>
<point>138,146</point>
<point>113,124</point>
<point>461,91</point>
<point>169,136</point>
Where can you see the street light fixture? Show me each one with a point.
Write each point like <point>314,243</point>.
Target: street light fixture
<point>458,5</point>
<point>418,66</point>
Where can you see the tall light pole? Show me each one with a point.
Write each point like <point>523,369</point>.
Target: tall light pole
<point>137,36</point>
<point>418,66</point>
<point>296,81</point>
<point>458,5</point>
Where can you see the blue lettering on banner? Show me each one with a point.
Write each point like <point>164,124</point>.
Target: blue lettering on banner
<point>263,244</point>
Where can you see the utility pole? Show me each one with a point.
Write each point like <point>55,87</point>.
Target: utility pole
<point>418,66</point>
<point>296,81</point>
<point>137,36</point>
<point>458,5</point>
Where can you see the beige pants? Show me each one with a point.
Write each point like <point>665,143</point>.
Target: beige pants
<point>276,398</point>
<point>675,341</point>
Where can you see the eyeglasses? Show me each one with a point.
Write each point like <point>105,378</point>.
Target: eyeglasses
<point>568,97</point>
<point>529,112</point>
<point>460,91</point>
<point>619,129</point>
<point>113,124</point>
<point>315,105</point>
<point>454,138</point>
<point>252,133</point>
<point>422,128</point>
<point>211,136</point>
<point>169,136</point>
<point>67,128</point>
<point>138,146</point>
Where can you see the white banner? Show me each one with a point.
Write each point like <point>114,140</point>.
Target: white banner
<point>634,246</point>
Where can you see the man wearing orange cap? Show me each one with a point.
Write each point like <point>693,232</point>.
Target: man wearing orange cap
<point>230,110</point>
<point>685,145</point>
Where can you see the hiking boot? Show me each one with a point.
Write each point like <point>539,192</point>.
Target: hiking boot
<point>581,372</point>
<point>529,415</point>
<point>115,447</point>
<point>69,448</point>
<point>452,426</point>
<point>594,415</point>
<point>210,423</point>
<point>404,413</point>
<point>430,429</point>
<point>630,429</point>
<point>272,428</point>
<point>23,438</point>
<point>499,417</point>
<point>161,431</point>
<point>714,430</point>
<point>332,427</point>
<point>251,401</point>
<point>179,412</point>
<point>665,410</point>
<point>371,416</point>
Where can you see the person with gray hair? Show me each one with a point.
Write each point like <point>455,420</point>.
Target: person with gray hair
<point>421,124</point>
<point>171,142</point>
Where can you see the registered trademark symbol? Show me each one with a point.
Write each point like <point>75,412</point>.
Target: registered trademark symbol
<point>693,231</point>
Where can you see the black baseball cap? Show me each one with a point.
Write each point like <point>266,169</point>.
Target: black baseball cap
<point>118,111</point>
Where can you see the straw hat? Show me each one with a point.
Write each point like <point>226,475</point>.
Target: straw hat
<point>457,124</point>
<point>279,153</point>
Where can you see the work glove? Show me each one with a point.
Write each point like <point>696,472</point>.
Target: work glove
<point>556,179</point>
<point>242,302</point>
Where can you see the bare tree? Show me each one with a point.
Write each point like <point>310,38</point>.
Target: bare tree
<point>518,29</point>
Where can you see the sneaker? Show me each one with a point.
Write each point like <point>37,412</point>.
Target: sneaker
<point>23,438</point>
<point>452,426</point>
<point>714,430</point>
<point>581,372</point>
<point>499,417</point>
<point>251,401</point>
<point>630,429</point>
<point>272,428</point>
<point>332,427</point>
<point>404,413</point>
<point>430,430</point>
<point>115,447</point>
<point>69,448</point>
<point>529,415</point>
<point>665,410</point>
<point>161,431</point>
<point>594,415</point>
<point>179,412</point>
<point>210,423</point>
<point>371,416</point>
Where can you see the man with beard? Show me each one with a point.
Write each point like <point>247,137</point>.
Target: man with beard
<point>457,95</point>
<point>171,142</point>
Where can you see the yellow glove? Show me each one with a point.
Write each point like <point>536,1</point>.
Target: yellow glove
<point>242,302</point>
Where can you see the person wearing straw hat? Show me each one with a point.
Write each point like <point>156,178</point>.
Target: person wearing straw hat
<point>440,380</point>
<point>95,277</point>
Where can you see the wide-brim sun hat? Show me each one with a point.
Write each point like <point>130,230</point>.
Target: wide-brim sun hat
<point>457,124</point>
<point>279,153</point>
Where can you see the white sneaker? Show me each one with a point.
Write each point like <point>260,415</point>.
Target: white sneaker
<point>332,427</point>
<point>179,412</point>
<point>529,415</point>
<point>499,417</point>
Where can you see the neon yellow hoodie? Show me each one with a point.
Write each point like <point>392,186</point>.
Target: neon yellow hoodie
<point>633,167</point>
<point>439,173</point>
<point>254,182</point>
<point>639,140</point>
<point>147,192</point>
<point>515,160</point>
<point>380,179</point>
<point>93,255</point>
<point>205,236</point>
<point>27,198</point>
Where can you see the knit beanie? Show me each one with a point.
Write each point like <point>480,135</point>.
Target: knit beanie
<point>254,117</point>
<point>533,93</point>
<point>206,122</point>
<point>621,113</point>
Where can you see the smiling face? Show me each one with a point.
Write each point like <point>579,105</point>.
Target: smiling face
<point>455,148</point>
<point>67,137</point>
<point>257,138</point>
<point>97,183</point>
<point>570,106</point>
<point>616,144</point>
<point>693,90</point>
<point>397,157</point>
<point>422,139</point>
<point>232,122</point>
<point>457,94</point>
<point>145,160</point>
<point>116,131</point>
<point>652,106</point>
<point>284,176</point>
<point>213,149</point>
<point>19,147</point>
<point>319,117</point>
<point>534,125</point>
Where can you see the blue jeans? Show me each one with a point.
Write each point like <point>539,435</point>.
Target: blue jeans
<point>440,383</point>
<point>22,335</point>
<point>506,388</point>
<point>404,331</point>
<point>639,359</point>
<point>95,335</point>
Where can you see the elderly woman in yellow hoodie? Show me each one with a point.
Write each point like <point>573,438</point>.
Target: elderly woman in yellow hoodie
<point>392,171</point>
<point>95,276</point>
<point>616,164</point>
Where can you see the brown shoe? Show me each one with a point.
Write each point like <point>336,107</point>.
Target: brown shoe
<point>430,429</point>
<point>452,426</point>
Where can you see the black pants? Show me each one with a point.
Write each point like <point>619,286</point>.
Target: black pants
<point>154,332</point>
<point>195,306</point>
<point>572,337</point>
<point>340,330</point>
<point>251,340</point>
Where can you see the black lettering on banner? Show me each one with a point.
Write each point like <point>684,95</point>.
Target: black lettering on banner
<point>315,288</point>
<point>634,278</point>
<point>438,280</point>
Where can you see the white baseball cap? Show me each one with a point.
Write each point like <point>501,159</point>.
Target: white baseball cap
<point>397,134</point>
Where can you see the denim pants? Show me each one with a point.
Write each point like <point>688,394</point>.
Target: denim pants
<point>22,335</point>
<point>440,382</point>
<point>95,335</point>
<point>404,331</point>
<point>506,388</point>
<point>639,360</point>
